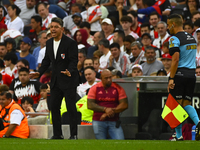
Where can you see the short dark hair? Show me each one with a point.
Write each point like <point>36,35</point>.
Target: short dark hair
<point>88,59</point>
<point>145,25</point>
<point>11,56</point>
<point>148,2</point>
<point>37,18</point>
<point>189,23</point>
<point>58,20</point>
<point>194,13</point>
<point>2,64</point>
<point>7,94</point>
<point>120,33</point>
<point>114,45</point>
<point>43,86</point>
<point>89,67</point>
<point>24,61</point>
<point>82,51</point>
<point>133,13</point>
<point>104,42</point>
<point>197,23</point>
<point>38,4</point>
<point>77,5</point>
<point>2,44</point>
<point>28,99</point>
<point>172,16</point>
<point>129,38</point>
<point>126,18</point>
<point>149,48</point>
<point>18,10</point>
<point>85,24</point>
<point>154,13</point>
<point>24,69</point>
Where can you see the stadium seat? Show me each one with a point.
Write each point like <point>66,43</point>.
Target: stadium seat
<point>65,118</point>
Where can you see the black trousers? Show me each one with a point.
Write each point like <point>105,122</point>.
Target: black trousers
<point>57,95</point>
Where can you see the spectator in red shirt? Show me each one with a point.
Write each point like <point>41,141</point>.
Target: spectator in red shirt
<point>135,27</point>
<point>107,99</point>
<point>36,25</point>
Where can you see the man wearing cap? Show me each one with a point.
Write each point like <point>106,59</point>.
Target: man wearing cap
<point>146,41</point>
<point>107,28</point>
<point>167,61</point>
<point>68,22</point>
<point>136,70</point>
<point>25,46</point>
<point>77,19</point>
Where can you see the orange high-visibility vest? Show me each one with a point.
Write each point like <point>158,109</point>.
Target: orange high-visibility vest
<point>21,131</point>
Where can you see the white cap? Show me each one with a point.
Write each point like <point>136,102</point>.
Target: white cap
<point>80,46</point>
<point>137,66</point>
<point>48,32</point>
<point>62,4</point>
<point>107,20</point>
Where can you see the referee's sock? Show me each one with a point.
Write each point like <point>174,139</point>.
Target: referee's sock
<point>192,113</point>
<point>178,130</point>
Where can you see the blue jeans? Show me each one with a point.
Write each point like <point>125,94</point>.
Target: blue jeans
<point>103,128</point>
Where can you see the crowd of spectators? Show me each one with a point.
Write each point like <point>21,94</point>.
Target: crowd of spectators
<point>130,38</point>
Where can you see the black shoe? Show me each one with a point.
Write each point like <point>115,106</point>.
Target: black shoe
<point>57,137</point>
<point>177,139</point>
<point>73,137</point>
<point>197,130</point>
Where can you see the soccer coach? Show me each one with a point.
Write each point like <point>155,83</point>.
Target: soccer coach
<point>62,53</point>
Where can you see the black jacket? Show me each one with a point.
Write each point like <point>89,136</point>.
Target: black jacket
<point>66,58</point>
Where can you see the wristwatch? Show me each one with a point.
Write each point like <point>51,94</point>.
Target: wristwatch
<point>171,78</point>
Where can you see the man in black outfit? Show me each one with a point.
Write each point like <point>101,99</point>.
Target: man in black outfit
<point>62,53</point>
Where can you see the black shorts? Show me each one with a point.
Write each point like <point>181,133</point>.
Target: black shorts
<point>184,85</point>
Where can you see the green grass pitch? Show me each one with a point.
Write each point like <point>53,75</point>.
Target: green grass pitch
<point>43,144</point>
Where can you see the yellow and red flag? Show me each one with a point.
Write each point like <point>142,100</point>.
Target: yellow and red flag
<point>173,113</point>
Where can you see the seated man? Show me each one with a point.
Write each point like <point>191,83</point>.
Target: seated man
<point>119,60</point>
<point>91,80</point>
<point>151,65</point>
<point>15,123</point>
<point>107,99</point>
<point>27,87</point>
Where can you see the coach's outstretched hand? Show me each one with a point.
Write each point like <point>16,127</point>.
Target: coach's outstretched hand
<point>34,75</point>
<point>66,72</point>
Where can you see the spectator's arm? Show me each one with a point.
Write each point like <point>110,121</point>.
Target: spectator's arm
<point>123,105</point>
<point>93,106</point>
<point>94,20</point>
<point>10,130</point>
<point>110,3</point>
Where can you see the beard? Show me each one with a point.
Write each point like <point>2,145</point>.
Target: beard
<point>78,23</point>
